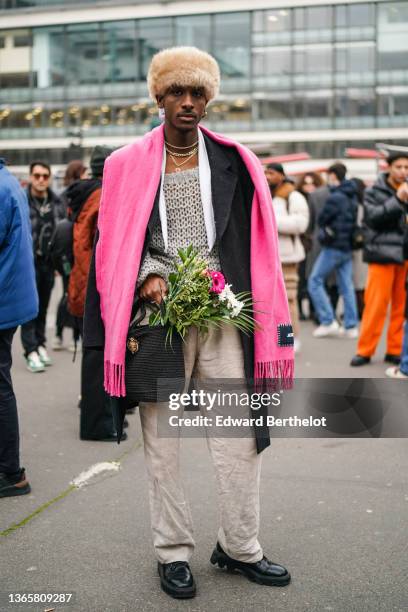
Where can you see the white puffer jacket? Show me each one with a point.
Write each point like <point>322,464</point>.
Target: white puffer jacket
<point>292,219</point>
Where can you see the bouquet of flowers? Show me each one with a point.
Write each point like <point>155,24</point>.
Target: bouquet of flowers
<point>199,296</point>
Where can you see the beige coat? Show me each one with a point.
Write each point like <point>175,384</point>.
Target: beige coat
<point>292,219</point>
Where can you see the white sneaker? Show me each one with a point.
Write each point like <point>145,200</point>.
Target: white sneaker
<point>351,332</point>
<point>45,358</point>
<point>57,344</point>
<point>34,363</point>
<point>297,345</point>
<point>327,330</point>
<point>71,347</point>
<point>394,372</point>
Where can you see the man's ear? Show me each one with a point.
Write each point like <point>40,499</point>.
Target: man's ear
<point>160,101</point>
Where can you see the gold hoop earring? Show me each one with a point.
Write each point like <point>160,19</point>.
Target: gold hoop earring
<point>204,114</point>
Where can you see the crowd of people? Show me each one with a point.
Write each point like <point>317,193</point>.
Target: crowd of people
<point>341,238</point>
<point>44,235</point>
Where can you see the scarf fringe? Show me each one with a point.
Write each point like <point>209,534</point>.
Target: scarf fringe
<point>274,374</point>
<point>114,378</point>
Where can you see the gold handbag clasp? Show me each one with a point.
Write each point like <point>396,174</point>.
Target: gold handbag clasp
<point>132,345</point>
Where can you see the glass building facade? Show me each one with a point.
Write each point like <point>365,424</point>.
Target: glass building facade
<point>308,68</point>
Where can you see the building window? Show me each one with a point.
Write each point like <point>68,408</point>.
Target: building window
<point>393,42</point>
<point>313,24</point>
<point>269,61</point>
<point>155,34</point>
<point>313,109</point>
<point>393,106</point>
<point>272,27</point>
<point>119,53</point>
<point>48,57</point>
<point>194,30</point>
<point>271,50</point>
<point>361,15</point>
<point>14,80</point>
<point>232,44</point>
<point>355,22</point>
<point>275,108</point>
<point>319,17</point>
<point>82,55</point>
<point>355,107</point>
<point>313,66</point>
<point>355,63</point>
<point>22,39</point>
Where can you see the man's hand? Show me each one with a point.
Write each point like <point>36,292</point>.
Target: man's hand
<point>402,192</point>
<point>153,289</point>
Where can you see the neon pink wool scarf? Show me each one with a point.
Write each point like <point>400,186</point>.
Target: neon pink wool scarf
<point>130,182</point>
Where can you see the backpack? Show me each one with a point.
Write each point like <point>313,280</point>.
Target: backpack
<point>61,247</point>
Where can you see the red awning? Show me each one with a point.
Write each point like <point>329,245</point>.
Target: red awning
<point>281,159</point>
<point>363,153</point>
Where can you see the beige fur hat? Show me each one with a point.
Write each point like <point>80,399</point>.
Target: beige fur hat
<point>183,66</point>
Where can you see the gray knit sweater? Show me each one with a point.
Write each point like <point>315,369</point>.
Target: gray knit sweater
<point>185,226</point>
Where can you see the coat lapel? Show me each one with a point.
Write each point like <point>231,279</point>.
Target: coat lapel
<point>154,216</point>
<point>223,184</point>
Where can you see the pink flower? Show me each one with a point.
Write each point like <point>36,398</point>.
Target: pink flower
<point>218,281</point>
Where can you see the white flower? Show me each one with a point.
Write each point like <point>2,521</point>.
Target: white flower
<point>226,293</point>
<point>234,305</point>
<point>236,308</point>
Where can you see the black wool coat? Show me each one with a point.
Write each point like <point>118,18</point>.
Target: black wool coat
<point>232,194</point>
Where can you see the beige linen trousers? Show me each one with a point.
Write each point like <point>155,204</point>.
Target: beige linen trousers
<point>237,465</point>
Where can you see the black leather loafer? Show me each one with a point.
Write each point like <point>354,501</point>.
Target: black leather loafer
<point>177,580</point>
<point>394,359</point>
<point>359,360</point>
<point>16,484</point>
<point>262,572</point>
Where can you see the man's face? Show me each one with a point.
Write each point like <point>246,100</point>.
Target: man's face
<point>332,180</point>
<point>273,177</point>
<point>184,106</point>
<point>40,178</point>
<point>399,170</point>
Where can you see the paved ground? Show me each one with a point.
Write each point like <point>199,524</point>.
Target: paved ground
<point>333,510</point>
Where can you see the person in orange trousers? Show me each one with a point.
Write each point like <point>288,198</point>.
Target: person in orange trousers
<point>385,285</point>
<point>386,251</point>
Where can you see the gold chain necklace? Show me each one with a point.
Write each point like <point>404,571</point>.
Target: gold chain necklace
<point>174,146</point>
<point>191,152</point>
<point>178,166</point>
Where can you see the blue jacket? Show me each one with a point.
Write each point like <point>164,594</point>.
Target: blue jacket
<point>18,291</point>
<point>339,214</point>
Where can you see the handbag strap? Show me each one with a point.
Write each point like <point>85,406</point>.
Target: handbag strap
<point>138,304</point>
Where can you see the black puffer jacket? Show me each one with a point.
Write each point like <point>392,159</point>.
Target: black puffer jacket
<point>384,224</point>
<point>339,213</point>
<point>43,220</point>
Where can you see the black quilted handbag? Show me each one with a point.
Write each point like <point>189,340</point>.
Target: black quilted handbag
<point>154,368</point>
